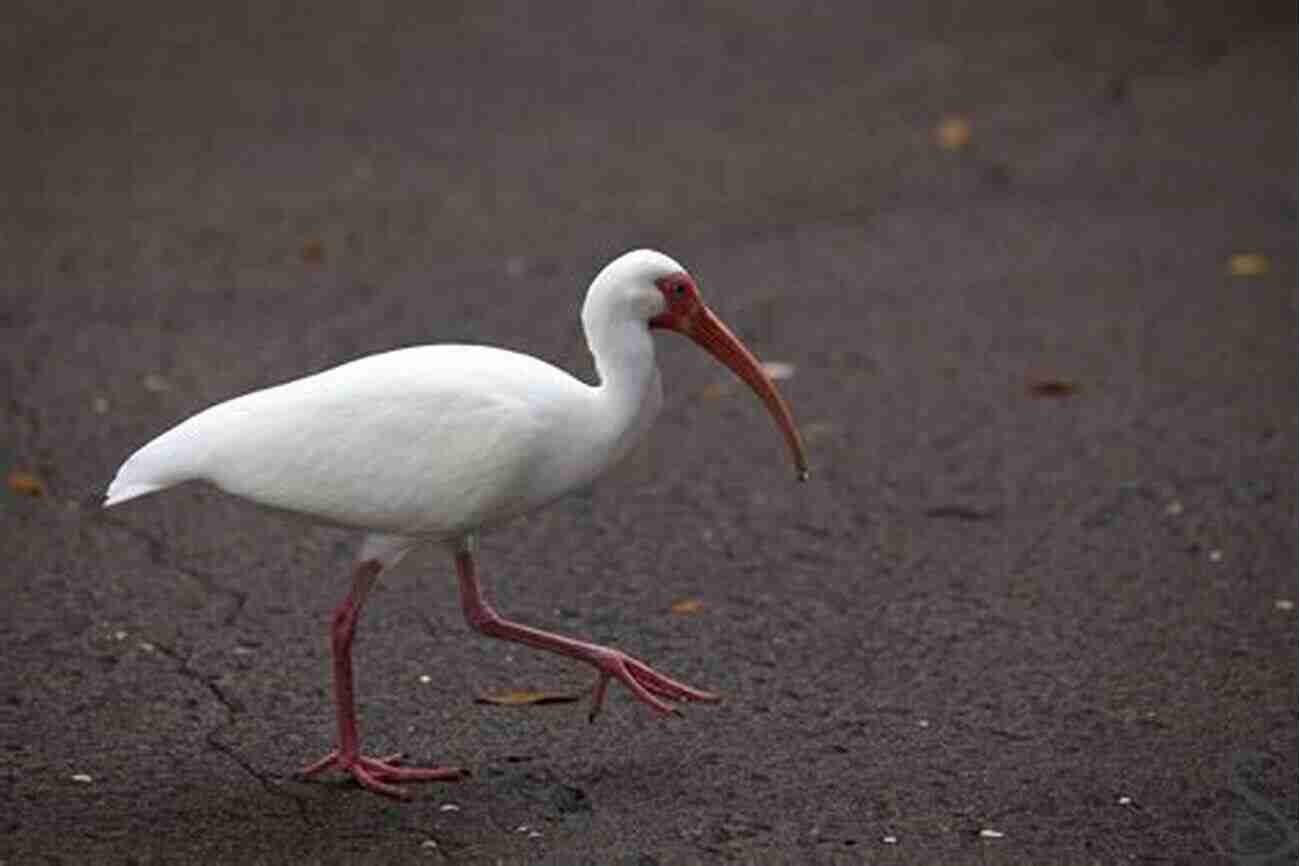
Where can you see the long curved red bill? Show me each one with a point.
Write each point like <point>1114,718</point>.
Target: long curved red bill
<point>716,338</point>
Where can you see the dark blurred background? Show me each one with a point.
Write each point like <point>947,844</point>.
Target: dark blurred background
<point>404,134</point>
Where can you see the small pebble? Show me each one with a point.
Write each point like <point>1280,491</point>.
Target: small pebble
<point>1174,508</point>
<point>1216,556</point>
<point>1284,604</point>
<point>82,778</point>
<point>146,646</point>
<point>428,843</point>
<point>155,383</point>
<point>426,679</point>
<point>1125,801</point>
<point>889,840</point>
<point>119,635</point>
<point>535,834</point>
<point>778,370</point>
<point>100,405</point>
<point>449,807</point>
<point>924,723</point>
<point>987,833</point>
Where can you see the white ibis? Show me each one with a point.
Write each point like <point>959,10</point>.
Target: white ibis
<point>441,443</point>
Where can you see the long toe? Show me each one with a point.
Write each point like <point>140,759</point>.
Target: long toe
<point>666,686</point>
<point>644,682</point>
<point>376,773</point>
<point>369,780</point>
<point>323,764</point>
<point>384,768</point>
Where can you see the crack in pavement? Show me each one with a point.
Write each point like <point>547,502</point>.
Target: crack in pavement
<point>266,780</point>
<point>157,551</point>
<point>233,707</point>
<point>158,556</point>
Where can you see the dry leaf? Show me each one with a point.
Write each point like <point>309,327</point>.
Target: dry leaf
<point>688,605</point>
<point>1052,388</point>
<point>313,252</point>
<point>26,483</point>
<point>953,132</point>
<point>520,697</point>
<point>1247,265</point>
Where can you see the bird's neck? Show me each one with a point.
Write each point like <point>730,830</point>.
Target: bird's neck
<point>628,394</point>
<point>625,362</point>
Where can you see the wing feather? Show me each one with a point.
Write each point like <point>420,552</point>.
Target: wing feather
<point>431,440</point>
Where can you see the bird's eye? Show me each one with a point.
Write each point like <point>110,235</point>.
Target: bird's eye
<point>679,289</point>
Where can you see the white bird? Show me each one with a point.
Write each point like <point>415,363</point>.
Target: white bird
<point>440,443</point>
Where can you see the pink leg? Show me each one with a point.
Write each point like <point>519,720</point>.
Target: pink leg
<point>647,684</point>
<point>373,773</point>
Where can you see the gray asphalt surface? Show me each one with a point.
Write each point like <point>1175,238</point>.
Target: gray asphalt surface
<point>1043,580</point>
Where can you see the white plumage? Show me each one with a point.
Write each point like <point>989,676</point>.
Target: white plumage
<point>394,443</point>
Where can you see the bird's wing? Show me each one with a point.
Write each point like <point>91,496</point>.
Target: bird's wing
<point>426,441</point>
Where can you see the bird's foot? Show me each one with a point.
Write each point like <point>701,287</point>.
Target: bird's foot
<point>645,683</point>
<point>376,773</point>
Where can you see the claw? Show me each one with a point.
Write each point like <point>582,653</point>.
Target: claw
<point>597,697</point>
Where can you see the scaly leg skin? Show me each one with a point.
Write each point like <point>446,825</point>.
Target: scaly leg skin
<point>643,681</point>
<point>372,773</point>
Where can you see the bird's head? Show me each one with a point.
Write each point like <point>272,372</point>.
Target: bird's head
<point>648,286</point>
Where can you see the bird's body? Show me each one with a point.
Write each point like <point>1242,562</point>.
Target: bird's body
<point>396,443</point>
<point>441,443</point>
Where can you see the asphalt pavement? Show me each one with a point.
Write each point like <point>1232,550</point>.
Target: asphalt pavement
<point>1033,273</point>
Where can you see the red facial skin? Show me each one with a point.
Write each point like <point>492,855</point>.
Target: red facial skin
<point>686,313</point>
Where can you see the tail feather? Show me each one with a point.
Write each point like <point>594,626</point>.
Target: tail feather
<point>168,460</point>
<point>119,491</point>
